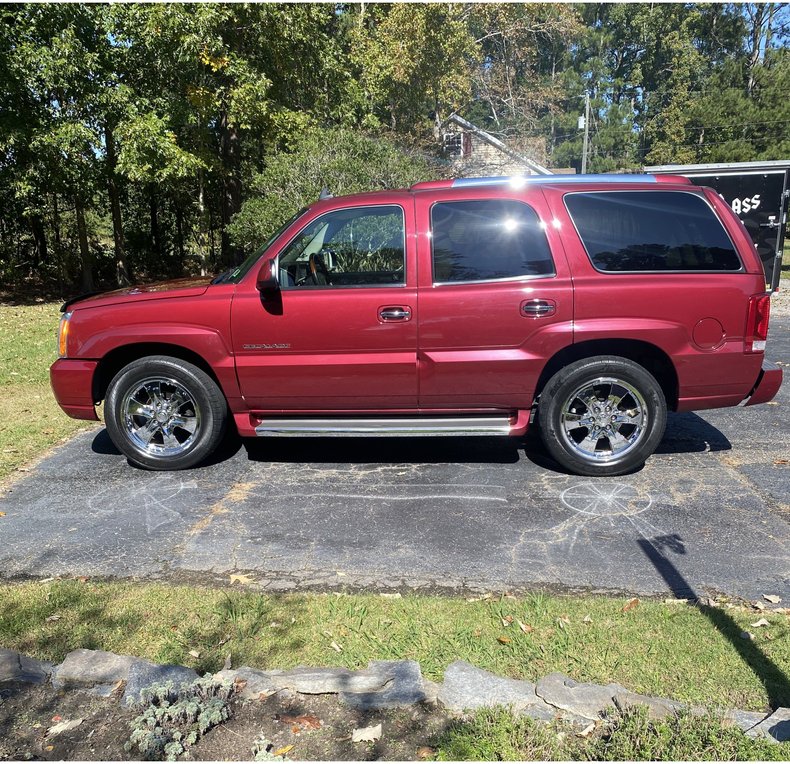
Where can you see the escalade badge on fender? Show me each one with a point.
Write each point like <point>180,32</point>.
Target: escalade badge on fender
<point>266,346</point>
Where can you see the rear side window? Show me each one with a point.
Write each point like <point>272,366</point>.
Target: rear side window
<point>487,240</point>
<point>651,231</point>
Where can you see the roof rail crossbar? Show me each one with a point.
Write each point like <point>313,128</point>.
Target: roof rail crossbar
<point>517,180</point>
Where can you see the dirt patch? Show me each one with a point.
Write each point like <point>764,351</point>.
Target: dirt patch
<point>318,727</point>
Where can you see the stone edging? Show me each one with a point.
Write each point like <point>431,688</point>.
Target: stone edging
<point>383,684</point>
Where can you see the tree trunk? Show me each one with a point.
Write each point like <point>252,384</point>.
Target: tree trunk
<point>202,237</point>
<point>231,186</point>
<point>156,242</point>
<point>121,271</point>
<point>179,213</point>
<point>86,262</point>
<point>39,239</point>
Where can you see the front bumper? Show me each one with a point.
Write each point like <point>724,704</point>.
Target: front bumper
<point>768,384</point>
<point>72,384</point>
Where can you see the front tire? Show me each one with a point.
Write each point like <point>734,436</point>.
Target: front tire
<point>164,413</point>
<point>602,416</point>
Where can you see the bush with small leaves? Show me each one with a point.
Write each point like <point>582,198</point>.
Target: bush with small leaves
<point>174,720</point>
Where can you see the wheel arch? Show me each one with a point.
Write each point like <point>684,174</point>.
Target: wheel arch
<point>647,355</point>
<point>122,356</point>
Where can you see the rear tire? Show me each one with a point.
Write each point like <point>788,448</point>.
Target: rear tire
<point>602,416</point>
<point>164,413</point>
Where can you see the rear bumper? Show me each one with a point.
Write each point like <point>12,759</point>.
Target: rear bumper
<point>767,386</point>
<point>72,384</point>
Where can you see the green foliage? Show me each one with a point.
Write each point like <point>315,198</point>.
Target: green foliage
<point>344,161</point>
<point>174,720</point>
<point>157,124</point>
<point>495,734</point>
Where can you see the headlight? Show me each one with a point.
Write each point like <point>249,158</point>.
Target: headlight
<point>63,334</point>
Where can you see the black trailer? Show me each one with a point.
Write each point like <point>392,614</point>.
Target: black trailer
<point>757,192</point>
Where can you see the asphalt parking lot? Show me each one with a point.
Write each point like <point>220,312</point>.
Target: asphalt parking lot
<point>709,513</point>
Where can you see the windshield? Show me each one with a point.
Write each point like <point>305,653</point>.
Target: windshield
<point>234,275</point>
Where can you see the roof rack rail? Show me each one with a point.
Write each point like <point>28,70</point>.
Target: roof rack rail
<point>518,181</point>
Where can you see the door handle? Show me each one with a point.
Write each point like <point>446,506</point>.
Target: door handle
<point>538,308</point>
<point>395,313</point>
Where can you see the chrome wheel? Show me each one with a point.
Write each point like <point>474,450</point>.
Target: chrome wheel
<point>604,419</point>
<point>160,416</point>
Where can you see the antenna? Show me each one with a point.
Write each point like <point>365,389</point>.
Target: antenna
<point>325,193</point>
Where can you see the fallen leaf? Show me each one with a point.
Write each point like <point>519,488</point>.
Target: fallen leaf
<point>772,598</point>
<point>525,627</point>
<point>772,403</point>
<point>64,726</point>
<point>82,579</point>
<point>631,604</point>
<point>335,646</point>
<point>782,461</point>
<point>507,620</point>
<point>239,578</point>
<point>195,653</point>
<point>767,635</point>
<point>425,752</point>
<point>303,721</point>
<point>57,718</point>
<point>117,691</point>
<point>542,649</point>
<point>366,734</point>
<point>282,751</point>
<point>477,633</point>
<point>226,665</point>
<point>761,622</point>
<point>53,618</point>
<point>239,684</point>
<point>757,605</point>
<point>676,601</point>
<point>503,640</point>
<point>49,747</point>
<point>587,619</point>
<point>327,633</point>
<point>587,731</point>
<point>747,635</point>
<point>2,514</point>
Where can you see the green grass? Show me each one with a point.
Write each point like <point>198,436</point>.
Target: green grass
<point>32,422</point>
<point>672,650</point>
<point>497,735</point>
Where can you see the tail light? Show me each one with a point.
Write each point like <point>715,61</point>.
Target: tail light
<point>757,323</point>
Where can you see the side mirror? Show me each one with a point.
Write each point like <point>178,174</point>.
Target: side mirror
<point>267,278</point>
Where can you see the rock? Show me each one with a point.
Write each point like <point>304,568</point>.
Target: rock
<point>92,668</point>
<point>251,682</point>
<point>431,690</point>
<point>774,729</point>
<point>401,683</point>
<point>143,674</point>
<point>743,719</point>
<point>468,687</point>
<point>15,667</point>
<point>582,699</point>
<point>317,681</point>
<point>657,708</point>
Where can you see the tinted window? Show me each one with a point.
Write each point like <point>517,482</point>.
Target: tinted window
<point>651,231</point>
<point>491,239</point>
<point>360,246</point>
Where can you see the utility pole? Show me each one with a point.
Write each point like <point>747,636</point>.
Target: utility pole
<point>586,131</point>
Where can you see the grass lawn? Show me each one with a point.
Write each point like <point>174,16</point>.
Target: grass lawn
<point>32,422</point>
<point>496,735</point>
<point>667,649</point>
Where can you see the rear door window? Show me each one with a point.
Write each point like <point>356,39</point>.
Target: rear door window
<point>487,240</point>
<point>651,231</point>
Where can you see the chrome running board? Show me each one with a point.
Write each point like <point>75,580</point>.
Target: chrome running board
<point>384,426</point>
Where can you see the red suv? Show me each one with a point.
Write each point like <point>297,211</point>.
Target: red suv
<point>590,304</point>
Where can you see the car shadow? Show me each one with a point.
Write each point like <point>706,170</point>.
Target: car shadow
<point>686,433</point>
